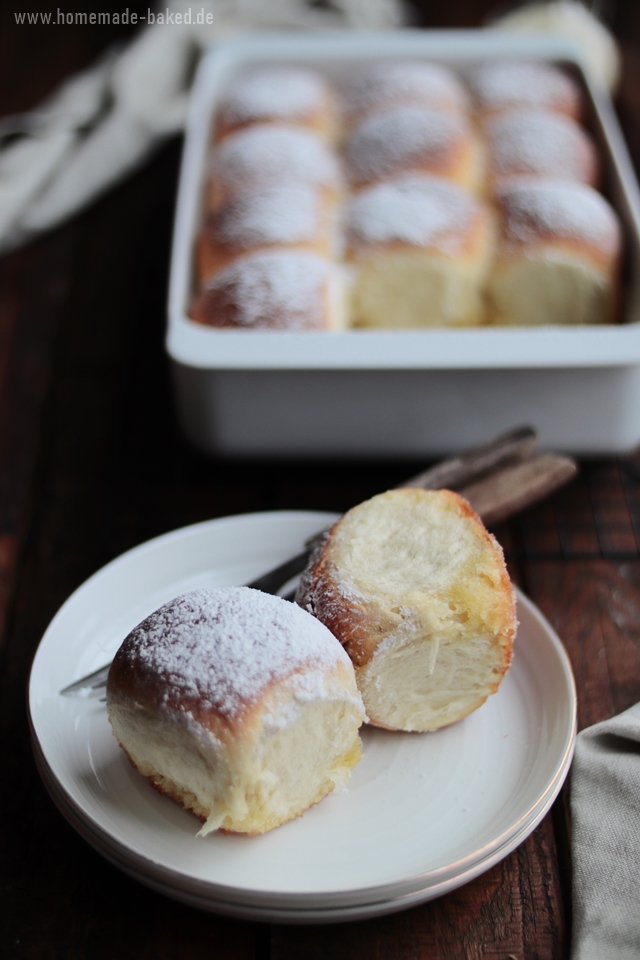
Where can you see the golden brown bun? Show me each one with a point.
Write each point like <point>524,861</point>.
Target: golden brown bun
<point>417,592</point>
<point>294,216</point>
<point>278,94</point>
<point>274,290</point>
<point>270,153</point>
<point>557,256</point>
<point>504,84</point>
<point>414,138</point>
<point>393,84</point>
<point>236,706</point>
<point>538,143</point>
<point>418,248</point>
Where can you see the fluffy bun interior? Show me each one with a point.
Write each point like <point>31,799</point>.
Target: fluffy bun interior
<point>417,591</point>
<point>237,708</point>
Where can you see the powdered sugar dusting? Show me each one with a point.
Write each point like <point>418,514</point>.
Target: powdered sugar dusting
<point>415,210</point>
<point>278,290</point>
<point>541,143</point>
<point>522,83</point>
<point>572,210</point>
<point>222,647</point>
<point>274,151</point>
<point>278,213</point>
<point>388,142</point>
<point>274,93</point>
<point>387,83</point>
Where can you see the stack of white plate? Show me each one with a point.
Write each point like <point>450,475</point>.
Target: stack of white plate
<point>424,813</point>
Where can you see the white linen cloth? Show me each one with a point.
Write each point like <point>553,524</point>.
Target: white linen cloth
<point>572,19</point>
<point>103,123</point>
<point>605,818</point>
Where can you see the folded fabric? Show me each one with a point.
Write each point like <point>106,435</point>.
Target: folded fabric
<point>106,121</point>
<point>572,19</point>
<point>605,817</point>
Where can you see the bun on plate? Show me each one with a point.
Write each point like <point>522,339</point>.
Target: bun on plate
<point>417,592</point>
<point>238,705</point>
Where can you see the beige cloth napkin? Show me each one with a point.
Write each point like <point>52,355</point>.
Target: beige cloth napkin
<point>605,816</point>
<point>105,122</point>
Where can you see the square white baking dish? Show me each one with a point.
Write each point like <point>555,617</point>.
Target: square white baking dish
<point>401,393</point>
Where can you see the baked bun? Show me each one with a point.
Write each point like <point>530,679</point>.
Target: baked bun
<point>417,591</point>
<point>412,138</point>
<point>277,94</point>
<point>557,256</point>
<point>504,84</point>
<point>418,249</point>
<point>270,153</point>
<point>386,85</point>
<point>276,290</point>
<point>296,216</point>
<point>539,143</point>
<point>238,705</point>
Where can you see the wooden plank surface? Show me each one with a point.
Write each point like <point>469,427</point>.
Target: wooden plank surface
<point>92,463</point>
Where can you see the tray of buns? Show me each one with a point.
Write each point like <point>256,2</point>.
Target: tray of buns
<point>400,243</point>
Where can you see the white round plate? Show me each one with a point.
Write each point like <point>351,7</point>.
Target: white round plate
<point>424,813</point>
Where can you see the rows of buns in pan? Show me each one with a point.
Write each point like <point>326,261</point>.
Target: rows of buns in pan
<point>405,197</point>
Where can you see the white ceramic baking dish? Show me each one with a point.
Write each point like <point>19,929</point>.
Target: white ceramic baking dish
<point>401,393</point>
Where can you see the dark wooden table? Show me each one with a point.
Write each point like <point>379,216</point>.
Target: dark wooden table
<point>92,463</point>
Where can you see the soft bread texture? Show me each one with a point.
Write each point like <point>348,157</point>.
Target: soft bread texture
<point>235,704</point>
<point>417,592</point>
<point>418,249</point>
<point>557,257</point>
<point>275,290</point>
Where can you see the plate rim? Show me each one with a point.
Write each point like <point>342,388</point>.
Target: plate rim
<point>243,897</point>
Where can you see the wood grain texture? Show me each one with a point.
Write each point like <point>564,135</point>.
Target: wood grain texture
<point>514,909</point>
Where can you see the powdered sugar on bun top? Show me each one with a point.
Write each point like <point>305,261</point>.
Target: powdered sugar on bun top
<point>540,143</point>
<point>268,151</point>
<point>406,138</point>
<point>275,214</point>
<point>388,84</point>
<point>278,290</point>
<point>220,649</point>
<point>535,210</point>
<point>424,211</point>
<point>501,85</point>
<point>274,93</point>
